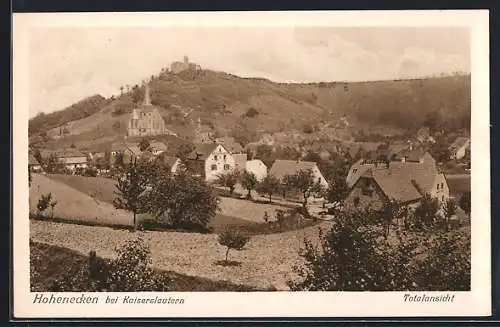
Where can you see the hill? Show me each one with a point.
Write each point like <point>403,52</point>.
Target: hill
<point>247,107</point>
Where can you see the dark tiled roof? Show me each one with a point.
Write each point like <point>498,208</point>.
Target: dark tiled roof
<point>202,151</point>
<point>402,181</point>
<point>66,153</point>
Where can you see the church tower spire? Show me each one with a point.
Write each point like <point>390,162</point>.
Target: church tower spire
<point>147,96</point>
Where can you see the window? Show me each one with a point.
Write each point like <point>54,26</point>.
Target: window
<point>354,171</point>
<point>226,167</point>
<point>442,185</point>
<point>215,157</point>
<point>224,157</point>
<point>442,198</point>
<point>213,167</point>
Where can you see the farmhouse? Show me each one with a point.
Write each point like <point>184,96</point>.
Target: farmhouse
<point>146,120</point>
<point>175,164</point>
<point>33,164</point>
<point>156,147</point>
<point>129,152</point>
<point>208,160</point>
<point>72,159</point>
<point>459,148</point>
<point>405,182</point>
<point>256,167</point>
<point>281,168</point>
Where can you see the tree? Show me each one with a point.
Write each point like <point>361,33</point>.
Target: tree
<point>53,165</point>
<point>287,183</point>
<point>233,239</point>
<point>181,201</point>
<point>304,181</point>
<point>269,185</point>
<point>337,190</point>
<point>449,210</point>
<point>183,150</point>
<point>280,218</point>
<point>130,188</point>
<point>249,182</point>
<point>44,202</point>
<point>144,145</point>
<point>425,213</point>
<point>349,258</point>
<point>464,202</point>
<point>228,180</point>
<point>447,265</point>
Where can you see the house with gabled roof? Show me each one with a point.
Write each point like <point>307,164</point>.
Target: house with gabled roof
<point>33,164</point>
<point>459,147</point>
<point>173,163</point>
<point>405,182</point>
<point>72,158</point>
<point>209,160</point>
<point>281,168</point>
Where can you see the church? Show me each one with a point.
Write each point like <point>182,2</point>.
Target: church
<point>146,120</point>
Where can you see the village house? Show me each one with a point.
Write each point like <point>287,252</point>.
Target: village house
<point>415,156</point>
<point>404,182</point>
<point>239,154</point>
<point>209,160</point>
<point>156,147</point>
<point>179,66</point>
<point>459,148</point>
<point>175,164</point>
<point>129,151</point>
<point>424,135</point>
<point>72,159</point>
<point>281,168</point>
<point>146,119</point>
<point>256,167</point>
<point>33,164</point>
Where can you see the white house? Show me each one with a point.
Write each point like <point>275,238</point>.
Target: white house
<point>459,148</point>
<point>256,167</point>
<point>209,160</point>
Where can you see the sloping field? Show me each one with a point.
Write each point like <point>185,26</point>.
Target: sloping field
<point>101,189</point>
<point>75,205</point>
<point>267,260</point>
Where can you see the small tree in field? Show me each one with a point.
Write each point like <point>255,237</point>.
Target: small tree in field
<point>269,185</point>
<point>249,182</point>
<point>425,213</point>
<point>44,202</point>
<point>228,180</point>
<point>280,218</point>
<point>233,239</point>
<point>130,188</point>
<point>304,181</point>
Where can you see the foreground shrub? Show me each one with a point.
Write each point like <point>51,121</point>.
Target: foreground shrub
<point>130,272</point>
<point>352,256</point>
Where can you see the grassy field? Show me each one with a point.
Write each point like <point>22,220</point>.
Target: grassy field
<point>51,259</point>
<point>266,261</point>
<point>95,194</point>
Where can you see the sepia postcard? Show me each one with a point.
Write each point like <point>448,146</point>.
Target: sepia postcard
<point>251,164</point>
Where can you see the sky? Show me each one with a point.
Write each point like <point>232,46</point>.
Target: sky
<point>69,64</point>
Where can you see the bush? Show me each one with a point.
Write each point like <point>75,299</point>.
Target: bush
<point>118,111</point>
<point>233,239</point>
<point>308,129</point>
<point>130,272</point>
<point>251,112</point>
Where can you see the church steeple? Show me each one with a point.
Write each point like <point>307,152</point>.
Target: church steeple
<point>147,96</point>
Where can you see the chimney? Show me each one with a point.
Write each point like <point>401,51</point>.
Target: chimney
<point>147,97</point>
